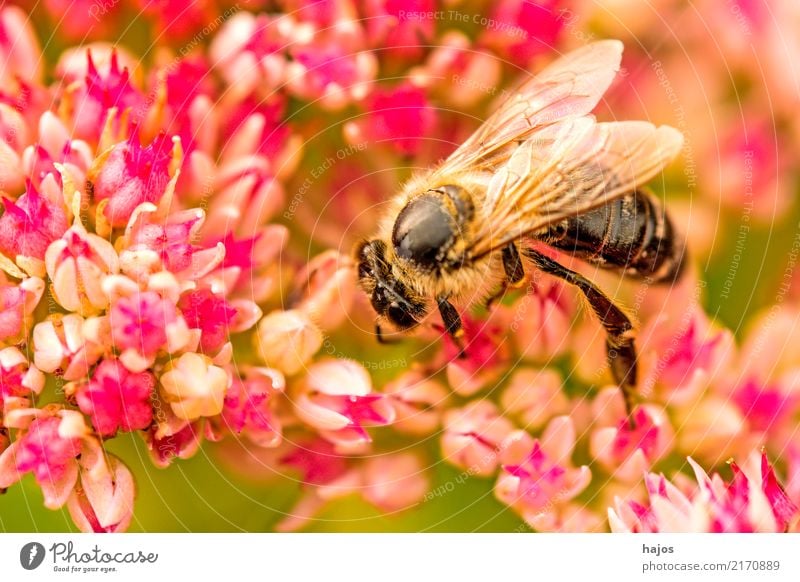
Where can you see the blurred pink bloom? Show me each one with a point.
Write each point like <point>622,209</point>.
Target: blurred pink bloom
<point>676,350</point>
<point>624,451</point>
<point>325,475</point>
<point>537,474</point>
<point>535,396</point>
<point>541,319</point>
<point>336,398</point>
<point>473,435</point>
<point>330,75</point>
<point>250,51</point>
<point>248,407</point>
<point>460,75</point>
<point>519,30</point>
<point>400,117</point>
<point>116,399</point>
<point>769,407</point>
<point>20,55</point>
<point>394,482</point>
<point>752,501</point>
<point>401,28</point>
<point>266,114</point>
<point>418,401</point>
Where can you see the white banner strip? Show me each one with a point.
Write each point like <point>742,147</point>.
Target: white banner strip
<point>401,557</point>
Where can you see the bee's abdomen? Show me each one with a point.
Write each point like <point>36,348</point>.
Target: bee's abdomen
<point>631,232</point>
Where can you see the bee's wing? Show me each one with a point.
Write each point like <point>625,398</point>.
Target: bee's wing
<point>566,169</point>
<point>569,87</point>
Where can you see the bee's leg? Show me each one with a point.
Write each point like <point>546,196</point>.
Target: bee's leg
<point>382,339</point>
<point>452,324</point>
<point>619,341</point>
<point>514,271</point>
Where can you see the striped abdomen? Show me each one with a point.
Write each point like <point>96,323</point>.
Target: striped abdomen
<point>632,233</point>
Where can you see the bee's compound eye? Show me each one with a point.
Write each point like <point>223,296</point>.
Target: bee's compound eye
<point>399,316</point>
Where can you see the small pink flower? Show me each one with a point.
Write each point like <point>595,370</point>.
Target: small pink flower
<point>143,323</point>
<point>472,437</point>
<point>535,396</point>
<point>400,117</point>
<point>248,407</point>
<point>336,398</point>
<point>174,439</point>
<point>171,240</point>
<point>116,399</point>
<point>134,174</point>
<point>62,348</point>
<point>215,317</point>
<point>626,451</point>
<point>30,224</point>
<point>99,93</point>
<point>47,446</point>
<point>674,351</point>
<point>287,340</point>
<point>194,387</point>
<point>485,357</point>
<point>418,401</point>
<point>76,264</point>
<point>17,303</point>
<point>537,475</point>
<point>102,501</point>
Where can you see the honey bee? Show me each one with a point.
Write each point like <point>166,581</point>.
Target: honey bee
<point>540,169</point>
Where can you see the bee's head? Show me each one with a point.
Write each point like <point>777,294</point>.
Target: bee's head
<point>390,298</point>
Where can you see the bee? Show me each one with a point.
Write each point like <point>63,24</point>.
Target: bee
<point>540,170</point>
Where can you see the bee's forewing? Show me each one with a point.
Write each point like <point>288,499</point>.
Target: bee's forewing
<point>570,87</point>
<point>581,165</point>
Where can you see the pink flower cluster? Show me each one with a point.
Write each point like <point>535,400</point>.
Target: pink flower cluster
<point>149,283</point>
